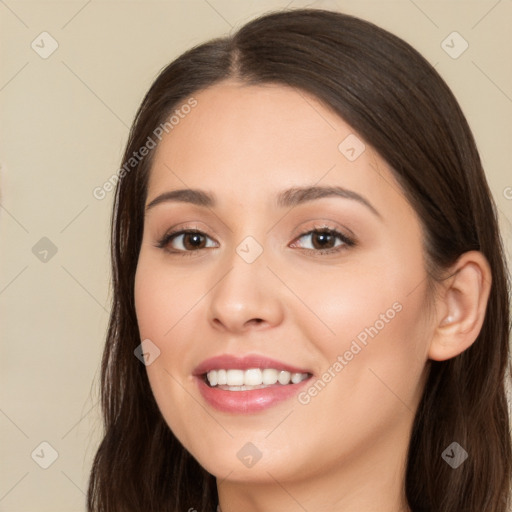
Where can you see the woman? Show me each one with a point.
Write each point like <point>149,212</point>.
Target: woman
<point>308,267</point>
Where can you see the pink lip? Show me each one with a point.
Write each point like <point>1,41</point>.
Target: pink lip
<point>243,402</point>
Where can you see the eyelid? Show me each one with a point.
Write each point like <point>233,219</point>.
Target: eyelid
<point>194,226</point>
<point>327,225</point>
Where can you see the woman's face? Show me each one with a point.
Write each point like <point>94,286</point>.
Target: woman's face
<point>269,284</point>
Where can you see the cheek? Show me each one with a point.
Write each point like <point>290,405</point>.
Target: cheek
<point>383,342</point>
<point>166,302</point>
<point>374,320</point>
<point>163,298</point>
<point>372,374</point>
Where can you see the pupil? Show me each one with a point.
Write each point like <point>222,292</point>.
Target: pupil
<point>325,237</point>
<point>195,238</point>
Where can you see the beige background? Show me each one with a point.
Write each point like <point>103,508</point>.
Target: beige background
<point>64,122</point>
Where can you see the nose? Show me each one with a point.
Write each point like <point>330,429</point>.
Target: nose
<point>247,297</point>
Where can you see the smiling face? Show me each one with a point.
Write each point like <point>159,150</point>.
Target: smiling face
<point>330,283</point>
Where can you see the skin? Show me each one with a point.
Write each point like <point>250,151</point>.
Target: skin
<point>345,450</point>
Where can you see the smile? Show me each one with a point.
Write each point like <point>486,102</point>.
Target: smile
<point>249,383</point>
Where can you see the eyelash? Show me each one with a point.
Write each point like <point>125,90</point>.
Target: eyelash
<point>347,241</point>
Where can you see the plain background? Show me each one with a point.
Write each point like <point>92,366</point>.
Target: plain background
<point>64,123</point>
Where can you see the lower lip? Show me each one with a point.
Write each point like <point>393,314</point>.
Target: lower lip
<point>248,401</point>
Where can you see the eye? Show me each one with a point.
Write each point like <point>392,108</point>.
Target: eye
<point>324,240</point>
<point>185,240</point>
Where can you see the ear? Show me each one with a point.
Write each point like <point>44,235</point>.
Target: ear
<point>460,306</point>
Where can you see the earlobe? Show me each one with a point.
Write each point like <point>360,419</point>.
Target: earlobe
<point>461,306</point>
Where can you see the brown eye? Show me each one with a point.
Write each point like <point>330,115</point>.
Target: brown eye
<point>324,241</point>
<point>193,241</point>
<point>185,241</point>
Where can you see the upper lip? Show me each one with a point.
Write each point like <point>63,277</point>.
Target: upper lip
<point>229,361</point>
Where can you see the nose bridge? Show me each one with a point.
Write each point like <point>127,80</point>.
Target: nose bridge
<point>247,276</point>
<point>245,292</point>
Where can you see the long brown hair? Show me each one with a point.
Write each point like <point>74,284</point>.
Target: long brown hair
<point>394,98</point>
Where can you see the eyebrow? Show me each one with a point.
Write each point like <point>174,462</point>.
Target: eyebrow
<point>286,199</point>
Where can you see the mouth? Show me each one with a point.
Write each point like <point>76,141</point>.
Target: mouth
<point>248,384</point>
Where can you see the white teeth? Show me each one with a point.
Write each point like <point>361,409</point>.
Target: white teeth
<point>284,377</point>
<point>254,378</point>
<point>221,377</point>
<point>213,378</point>
<point>269,376</point>
<point>235,377</point>
<point>296,378</point>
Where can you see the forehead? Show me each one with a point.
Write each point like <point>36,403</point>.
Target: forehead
<point>254,140</point>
